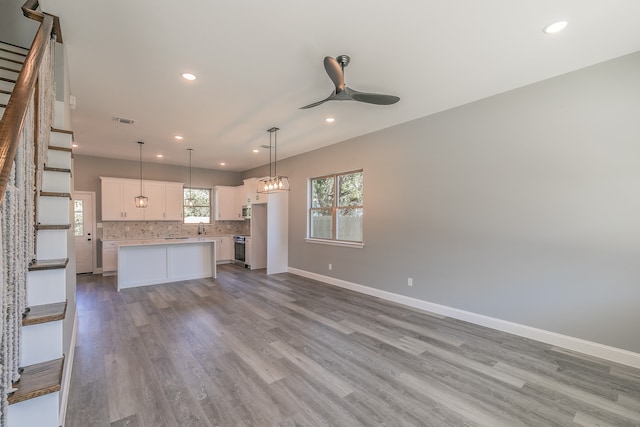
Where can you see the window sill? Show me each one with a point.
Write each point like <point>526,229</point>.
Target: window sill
<point>335,243</point>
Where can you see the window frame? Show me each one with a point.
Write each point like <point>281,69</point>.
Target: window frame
<point>184,207</point>
<point>334,210</point>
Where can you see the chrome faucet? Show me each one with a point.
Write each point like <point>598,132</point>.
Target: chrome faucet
<point>201,228</point>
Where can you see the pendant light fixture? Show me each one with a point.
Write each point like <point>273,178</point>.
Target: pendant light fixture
<point>190,201</point>
<point>273,182</point>
<point>141,201</point>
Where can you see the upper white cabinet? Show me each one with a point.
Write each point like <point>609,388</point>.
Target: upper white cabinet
<point>118,200</point>
<point>156,194</point>
<point>228,203</point>
<point>251,195</point>
<point>174,201</point>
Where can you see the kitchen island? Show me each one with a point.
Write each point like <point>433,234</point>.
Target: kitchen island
<point>155,261</point>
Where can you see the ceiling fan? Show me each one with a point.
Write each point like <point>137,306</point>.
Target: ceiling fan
<point>335,70</point>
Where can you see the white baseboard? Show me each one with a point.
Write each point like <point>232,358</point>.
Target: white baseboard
<point>68,362</point>
<point>612,354</point>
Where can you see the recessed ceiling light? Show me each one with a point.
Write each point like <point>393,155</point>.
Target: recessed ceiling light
<point>555,27</point>
<point>159,156</point>
<point>255,150</point>
<point>223,164</point>
<point>178,137</point>
<point>329,120</point>
<point>188,76</point>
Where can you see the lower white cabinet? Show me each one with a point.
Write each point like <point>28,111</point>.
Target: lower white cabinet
<point>224,249</point>
<point>109,257</point>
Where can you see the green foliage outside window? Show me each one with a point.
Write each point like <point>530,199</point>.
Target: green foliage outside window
<point>200,210</point>
<point>78,218</point>
<point>337,218</point>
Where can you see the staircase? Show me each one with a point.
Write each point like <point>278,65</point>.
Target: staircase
<point>40,395</point>
<point>11,59</point>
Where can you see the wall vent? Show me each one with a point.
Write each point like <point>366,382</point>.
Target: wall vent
<point>123,120</point>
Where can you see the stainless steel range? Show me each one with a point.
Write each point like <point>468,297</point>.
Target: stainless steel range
<point>239,244</point>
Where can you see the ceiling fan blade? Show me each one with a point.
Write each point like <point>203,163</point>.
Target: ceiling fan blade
<point>372,98</point>
<point>334,70</point>
<point>315,104</point>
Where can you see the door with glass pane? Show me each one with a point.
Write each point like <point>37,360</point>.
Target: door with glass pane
<point>83,220</point>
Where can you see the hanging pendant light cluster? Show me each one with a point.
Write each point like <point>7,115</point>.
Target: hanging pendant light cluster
<point>141,201</point>
<point>273,182</point>
<point>190,201</point>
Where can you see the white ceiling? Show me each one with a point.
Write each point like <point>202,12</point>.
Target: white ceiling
<point>257,62</point>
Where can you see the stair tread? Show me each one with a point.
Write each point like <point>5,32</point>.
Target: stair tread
<point>55,147</point>
<point>70,132</point>
<point>54,194</point>
<point>12,48</point>
<point>38,380</point>
<point>53,226</point>
<point>13,70</point>
<point>45,313</point>
<point>13,61</point>
<point>49,264</point>
<point>4,79</point>
<point>50,169</point>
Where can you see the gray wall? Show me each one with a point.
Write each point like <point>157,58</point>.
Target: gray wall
<point>523,207</point>
<point>14,27</point>
<point>88,170</point>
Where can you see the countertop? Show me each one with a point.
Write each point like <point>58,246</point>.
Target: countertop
<point>167,241</point>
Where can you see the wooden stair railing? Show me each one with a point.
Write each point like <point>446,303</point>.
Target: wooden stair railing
<point>15,113</point>
<point>29,9</point>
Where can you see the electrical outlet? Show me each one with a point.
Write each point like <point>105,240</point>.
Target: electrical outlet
<point>409,281</point>
<point>330,267</point>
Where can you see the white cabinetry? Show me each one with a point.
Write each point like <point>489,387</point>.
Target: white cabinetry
<point>165,201</point>
<point>155,208</point>
<point>228,203</point>
<point>109,257</point>
<point>174,201</point>
<point>251,195</point>
<point>152,262</point>
<point>118,200</point>
<point>224,249</point>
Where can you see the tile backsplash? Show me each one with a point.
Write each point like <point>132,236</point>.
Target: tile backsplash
<point>119,230</point>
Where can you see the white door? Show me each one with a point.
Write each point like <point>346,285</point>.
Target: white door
<point>83,220</point>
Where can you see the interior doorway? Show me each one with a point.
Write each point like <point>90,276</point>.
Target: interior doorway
<point>84,230</point>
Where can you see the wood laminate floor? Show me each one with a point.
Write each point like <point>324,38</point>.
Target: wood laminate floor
<point>254,350</point>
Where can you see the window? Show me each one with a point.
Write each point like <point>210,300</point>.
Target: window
<point>78,218</point>
<point>201,209</point>
<point>336,208</point>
